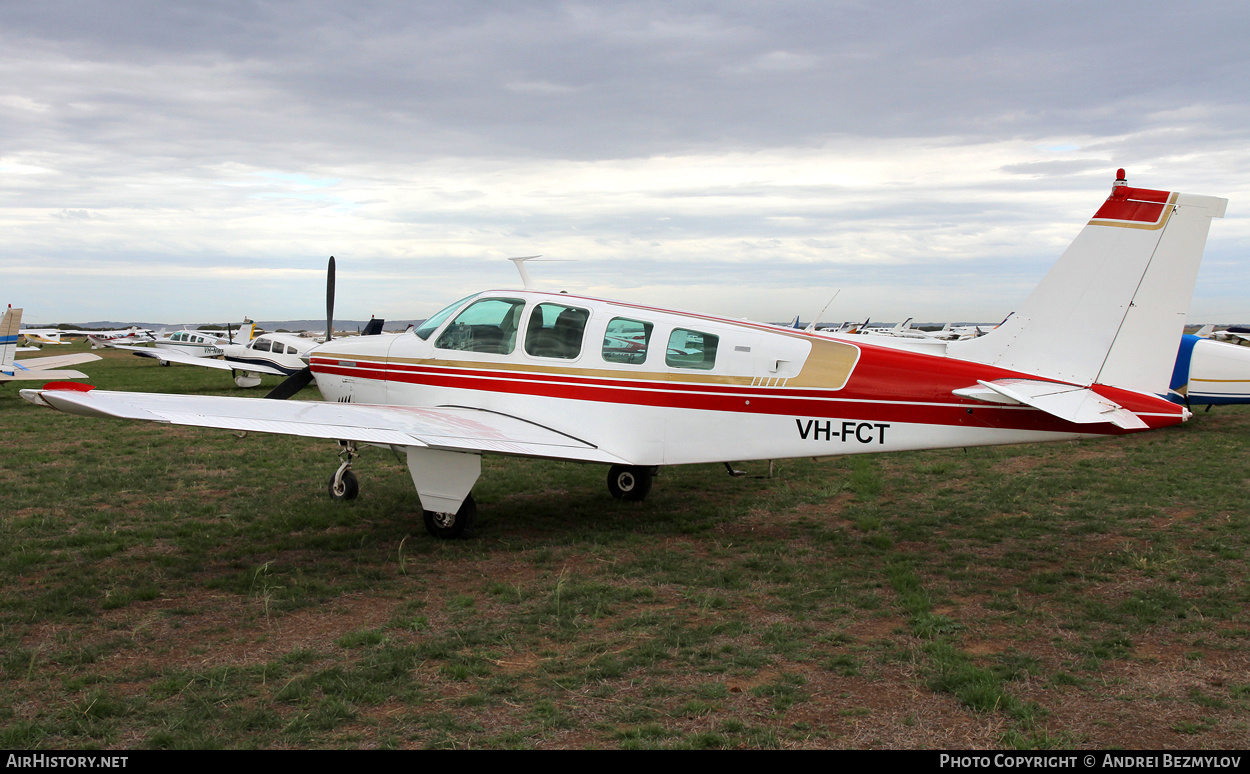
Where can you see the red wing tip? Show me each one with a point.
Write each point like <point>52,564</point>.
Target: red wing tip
<point>74,386</point>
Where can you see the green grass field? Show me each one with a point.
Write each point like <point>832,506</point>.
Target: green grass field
<point>182,588</point>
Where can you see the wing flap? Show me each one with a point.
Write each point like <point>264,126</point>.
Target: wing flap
<point>450,428</point>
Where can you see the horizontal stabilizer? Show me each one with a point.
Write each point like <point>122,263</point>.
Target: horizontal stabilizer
<point>55,361</point>
<point>1074,404</point>
<point>42,375</point>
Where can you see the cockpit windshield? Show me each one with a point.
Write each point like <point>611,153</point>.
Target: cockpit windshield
<point>431,325</point>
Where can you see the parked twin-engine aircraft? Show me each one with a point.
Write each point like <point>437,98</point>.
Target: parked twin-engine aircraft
<point>33,368</point>
<point>530,373</point>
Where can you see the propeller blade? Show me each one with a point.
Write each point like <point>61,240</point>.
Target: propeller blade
<point>300,379</point>
<point>330,300</point>
<point>292,384</point>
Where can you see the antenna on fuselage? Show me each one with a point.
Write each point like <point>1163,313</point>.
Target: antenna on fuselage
<point>526,282</point>
<point>811,326</point>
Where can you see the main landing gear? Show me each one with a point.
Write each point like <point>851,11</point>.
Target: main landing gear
<point>449,526</point>
<point>344,484</point>
<point>443,478</point>
<point>630,483</point>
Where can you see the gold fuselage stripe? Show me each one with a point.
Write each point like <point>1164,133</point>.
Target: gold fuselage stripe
<point>827,366</point>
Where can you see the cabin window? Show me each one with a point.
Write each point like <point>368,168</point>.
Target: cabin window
<point>625,341</point>
<point>488,325</point>
<point>691,349</point>
<point>555,330</point>
<point>261,345</point>
<point>431,325</point>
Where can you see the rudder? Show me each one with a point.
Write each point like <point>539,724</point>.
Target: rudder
<point>1112,309</point>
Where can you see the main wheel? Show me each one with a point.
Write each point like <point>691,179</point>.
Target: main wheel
<point>449,526</point>
<point>629,482</point>
<point>348,487</point>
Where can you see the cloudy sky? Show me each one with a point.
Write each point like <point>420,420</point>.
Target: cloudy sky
<point>177,162</point>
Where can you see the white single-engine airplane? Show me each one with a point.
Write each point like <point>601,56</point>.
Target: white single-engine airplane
<point>132,335</point>
<point>32,368</point>
<point>276,354</point>
<point>530,373</point>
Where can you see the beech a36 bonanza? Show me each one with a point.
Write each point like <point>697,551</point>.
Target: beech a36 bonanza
<point>529,373</point>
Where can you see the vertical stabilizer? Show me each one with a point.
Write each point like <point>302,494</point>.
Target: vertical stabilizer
<point>1112,309</point>
<point>9,328</point>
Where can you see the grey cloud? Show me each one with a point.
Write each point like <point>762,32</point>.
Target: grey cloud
<point>123,108</point>
<point>568,80</point>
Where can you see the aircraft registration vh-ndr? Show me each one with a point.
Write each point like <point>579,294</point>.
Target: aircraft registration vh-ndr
<point>521,372</point>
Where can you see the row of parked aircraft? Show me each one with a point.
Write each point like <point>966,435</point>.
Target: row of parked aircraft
<point>1090,352</point>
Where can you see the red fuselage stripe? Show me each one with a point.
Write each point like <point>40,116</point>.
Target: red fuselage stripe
<point>934,405</point>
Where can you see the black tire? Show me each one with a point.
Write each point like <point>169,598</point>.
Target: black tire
<point>630,483</point>
<point>348,487</point>
<point>450,526</point>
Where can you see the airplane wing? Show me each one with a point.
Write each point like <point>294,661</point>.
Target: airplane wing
<point>445,428</point>
<point>173,356</point>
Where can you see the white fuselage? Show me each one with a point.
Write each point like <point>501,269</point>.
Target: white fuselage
<point>191,343</point>
<point>281,351</point>
<point>659,387</point>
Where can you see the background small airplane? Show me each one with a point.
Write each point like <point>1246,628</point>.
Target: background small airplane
<point>1210,373</point>
<point>274,354</point>
<point>43,336</point>
<point>1234,334</point>
<point>193,342</point>
<point>35,368</point>
<point>132,335</point>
